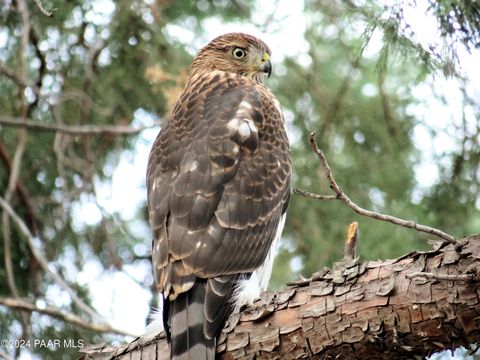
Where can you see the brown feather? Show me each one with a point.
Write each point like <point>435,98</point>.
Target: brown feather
<point>218,178</point>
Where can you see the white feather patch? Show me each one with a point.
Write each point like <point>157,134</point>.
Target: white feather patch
<point>244,105</point>
<point>242,123</point>
<point>243,126</point>
<point>244,130</point>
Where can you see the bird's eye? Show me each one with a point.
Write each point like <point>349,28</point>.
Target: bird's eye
<point>239,53</point>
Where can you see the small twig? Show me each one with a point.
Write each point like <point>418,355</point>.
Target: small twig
<point>11,75</point>
<point>24,304</point>
<point>33,222</point>
<point>428,275</point>
<point>44,263</point>
<point>351,243</point>
<point>42,9</point>
<point>12,185</point>
<point>306,281</point>
<point>340,195</point>
<point>76,130</point>
<point>300,282</point>
<point>315,196</point>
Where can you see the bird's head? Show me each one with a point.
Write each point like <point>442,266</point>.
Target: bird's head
<point>236,53</point>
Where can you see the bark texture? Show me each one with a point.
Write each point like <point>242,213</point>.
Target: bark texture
<point>405,308</point>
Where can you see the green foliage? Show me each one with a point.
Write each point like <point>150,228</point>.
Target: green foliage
<point>458,21</point>
<point>363,130</point>
<point>358,105</point>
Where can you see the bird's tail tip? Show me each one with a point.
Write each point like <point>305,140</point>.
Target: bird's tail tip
<point>187,318</point>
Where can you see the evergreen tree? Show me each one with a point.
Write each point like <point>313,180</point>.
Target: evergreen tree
<point>122,64</point>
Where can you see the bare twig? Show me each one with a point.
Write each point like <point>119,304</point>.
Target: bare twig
<point>42,9</point>
<point>12,185</point>
<point>25,304</point>
<point>315,196</point>
<point>44,263</point>
<point>11,75</point>
<point>76,130</point>
<point>445,277</point>
<point>340,195</point>
<point>33,220</point>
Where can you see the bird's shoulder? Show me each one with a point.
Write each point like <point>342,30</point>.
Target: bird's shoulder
<point>219,113</point>
<point>219,91</point>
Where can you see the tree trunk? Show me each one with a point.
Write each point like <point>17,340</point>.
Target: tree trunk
<point>413,306</point>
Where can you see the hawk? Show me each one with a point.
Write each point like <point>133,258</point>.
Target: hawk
<point>218,183</point>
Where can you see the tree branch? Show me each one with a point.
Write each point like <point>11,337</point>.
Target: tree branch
<point>12,185</point>
<point>315,196</point>
<point>44,263</point>
<point>33,221</point>
<point>76,130</point>
<point>11,75</point>
<point>25,304</point>
<point>340,195</point>
<point>42,9</point>
<point>361,311</point>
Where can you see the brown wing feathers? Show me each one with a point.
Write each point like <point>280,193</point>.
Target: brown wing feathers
<point>218,182</point>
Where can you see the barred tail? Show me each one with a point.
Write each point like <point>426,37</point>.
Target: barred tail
<point>195,318</point>
<point>188,340</point>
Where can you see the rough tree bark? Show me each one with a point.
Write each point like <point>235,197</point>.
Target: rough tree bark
<point>405,308</point>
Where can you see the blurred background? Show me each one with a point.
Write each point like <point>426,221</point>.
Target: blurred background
<point>392,89</point>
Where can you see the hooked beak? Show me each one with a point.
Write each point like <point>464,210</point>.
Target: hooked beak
<point>266,66</point>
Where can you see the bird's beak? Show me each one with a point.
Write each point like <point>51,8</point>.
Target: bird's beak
<point>266,66</point>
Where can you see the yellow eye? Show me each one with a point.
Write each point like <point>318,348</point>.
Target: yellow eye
<point>239,53</point>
